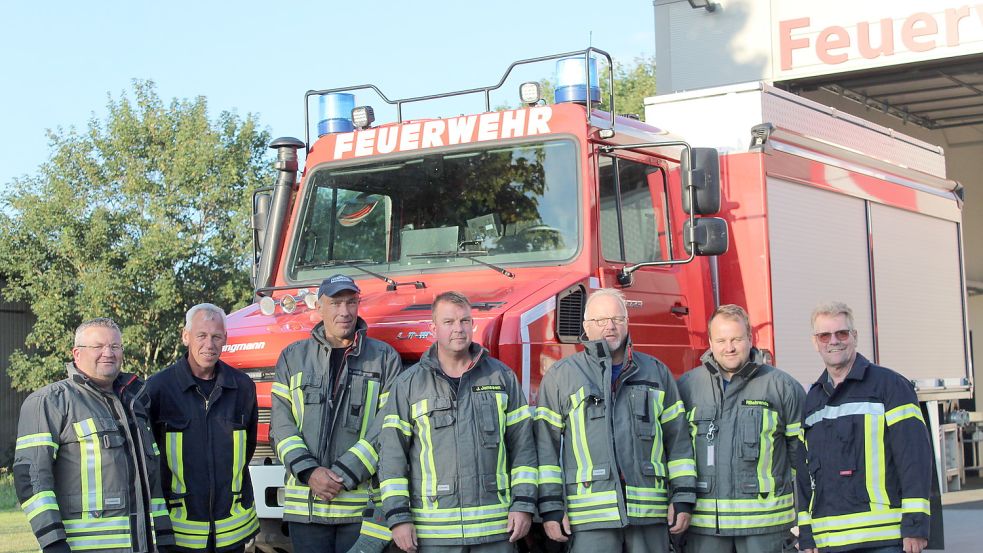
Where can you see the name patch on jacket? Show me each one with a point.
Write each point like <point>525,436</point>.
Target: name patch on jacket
<point>488,388</point>
<point>757,403</point>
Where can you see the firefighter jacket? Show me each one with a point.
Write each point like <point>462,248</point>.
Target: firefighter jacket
<point>747,440</point>
<point>316,416</point>
<point>455,462</point>
<point>626,452</point>
<point>870,462</point>
<point>207,444</point>
<point>86,467</point>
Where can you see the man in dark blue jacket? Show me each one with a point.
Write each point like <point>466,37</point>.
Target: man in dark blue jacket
<point>204,419</point>
<point>869,454</point>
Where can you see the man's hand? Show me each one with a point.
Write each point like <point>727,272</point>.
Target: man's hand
<point>678,524</point>
<point>914,545</point>
<point>812,550</point>
<point>519,524</point>
<point>404,535</point>
<point>324,483</point>
<point>556,532</point>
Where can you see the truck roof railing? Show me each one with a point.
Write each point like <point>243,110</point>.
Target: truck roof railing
<point>485,89</point>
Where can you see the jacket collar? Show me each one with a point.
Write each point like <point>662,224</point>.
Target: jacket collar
<point>430,360</point>
<point>748,371</point>
<point>122,379</point>
<point>356,348</point>
<point>186,380</point>
<point>857,372</point>
<point>598,350</point>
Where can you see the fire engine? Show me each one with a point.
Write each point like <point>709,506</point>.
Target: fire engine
<point>528,210</point>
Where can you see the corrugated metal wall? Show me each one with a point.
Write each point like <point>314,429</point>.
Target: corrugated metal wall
<point>15,323</point>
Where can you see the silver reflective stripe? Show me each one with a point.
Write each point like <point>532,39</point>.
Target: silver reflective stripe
<point>836,411</point>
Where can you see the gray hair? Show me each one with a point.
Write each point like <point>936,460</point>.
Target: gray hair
<point>833,309</point>
<point>101,322</point>
<point>606,292</point>
<point>209,311</point>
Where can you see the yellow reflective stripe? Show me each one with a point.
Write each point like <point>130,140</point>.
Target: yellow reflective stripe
<point>586,507</point>
<point>366,454</point>
<point>805,518</point>
<point>645,502</point>
<point>501,466</point>
<point>550,474</point>
<point>43,439</point>
<point>289,444</point>
<point>369,406</point>
<point>158,507</point>
<point>281,390</point>
<point>794,430</point>
<point>656,408</point>
<point>393,421</point>
<point>297,400</point>
<point>241,524</point>
<point>428,470</point>
<point>682,467</point>
<point>862,535</point>
<point>192,534</point>
<point>38,503</point>
<point>672,411</point>
<point>906,411</point>
<point>524,475</point>
<point>395,487</point>
<point>98,533</point>
<point>383,398</point>
<point>461,523</point>
<point>875,454</point>
<point>549,416</point>
<point>373,530</point>
<point>766,453</point>
<point>174,453</point>
<point>772,503</point>
<point>578,435</point>
<point>857,527</point>
<point>519,415</point>
<point>90,464</point>
<point>743,520</point>
<point>238,459</point>
<point>831,412</point>
<point>914,505</point>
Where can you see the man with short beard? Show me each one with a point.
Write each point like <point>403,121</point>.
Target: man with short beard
<point>745,418</point>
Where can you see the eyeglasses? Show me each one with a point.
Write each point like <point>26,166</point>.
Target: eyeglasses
<point>115,348</point>
<point>603,321</point>
<point>841,335</point>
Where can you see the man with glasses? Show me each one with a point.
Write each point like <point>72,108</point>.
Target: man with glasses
<point>869,454</point>
<point>85,465</point>
<point>616,466</point>
<point>745,418</point>
<point>204,417</point>
<point>327,391</point>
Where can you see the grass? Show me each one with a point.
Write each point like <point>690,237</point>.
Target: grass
<point>8,498</point>
<point>16,532</point>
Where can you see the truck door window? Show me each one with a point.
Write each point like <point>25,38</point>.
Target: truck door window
<point>632,210</point>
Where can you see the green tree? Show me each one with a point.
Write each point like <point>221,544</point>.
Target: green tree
<point>138,217</point>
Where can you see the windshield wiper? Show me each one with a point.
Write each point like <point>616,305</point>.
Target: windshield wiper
<point>466,254</point>
<point>391,284</point>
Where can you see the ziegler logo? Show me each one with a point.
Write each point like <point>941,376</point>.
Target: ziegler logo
<point>247,346</point>
<point>422,335</point>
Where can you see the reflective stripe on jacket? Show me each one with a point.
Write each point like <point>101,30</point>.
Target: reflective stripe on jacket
<point>455,462</point>
<point>747,440</point>
<point>870,462</point>
<point>316,417</point>
<point>86,467</point>
<point>206,450</point>
<point>626,453</point>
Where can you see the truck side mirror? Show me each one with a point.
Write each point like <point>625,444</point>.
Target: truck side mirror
<point>704,173</point>
<point>708,236</point>
<point>261,216</point>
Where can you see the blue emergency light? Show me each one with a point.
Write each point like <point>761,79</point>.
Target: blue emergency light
<point>571,81</point>
<point>334,113</point>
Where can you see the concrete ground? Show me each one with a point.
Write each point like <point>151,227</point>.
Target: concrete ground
<point>962,515</point>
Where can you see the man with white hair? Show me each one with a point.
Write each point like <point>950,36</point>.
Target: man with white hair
<point>616,467</point>
<point>204,417</point>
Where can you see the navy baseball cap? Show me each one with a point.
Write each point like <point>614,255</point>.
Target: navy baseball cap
<point>337,283</point>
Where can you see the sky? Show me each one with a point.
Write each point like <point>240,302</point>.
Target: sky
<point>60,61</point>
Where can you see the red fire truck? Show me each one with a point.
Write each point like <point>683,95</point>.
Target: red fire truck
<point>528,210</point>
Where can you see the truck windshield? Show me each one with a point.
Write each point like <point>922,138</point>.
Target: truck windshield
<point>504,205</point>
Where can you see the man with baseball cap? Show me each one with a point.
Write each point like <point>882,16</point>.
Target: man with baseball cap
<point>327,391</point>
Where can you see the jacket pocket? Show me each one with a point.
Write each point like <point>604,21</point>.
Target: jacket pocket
<point>644,411</point>
<point>435,412</point>
<point>749,430</point>
<point>489,413</point>
<point>363,397</point>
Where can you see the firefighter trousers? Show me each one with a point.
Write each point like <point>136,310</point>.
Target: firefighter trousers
<point>496,547</point>
<point>761,543</point>
<point>651,538</point>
